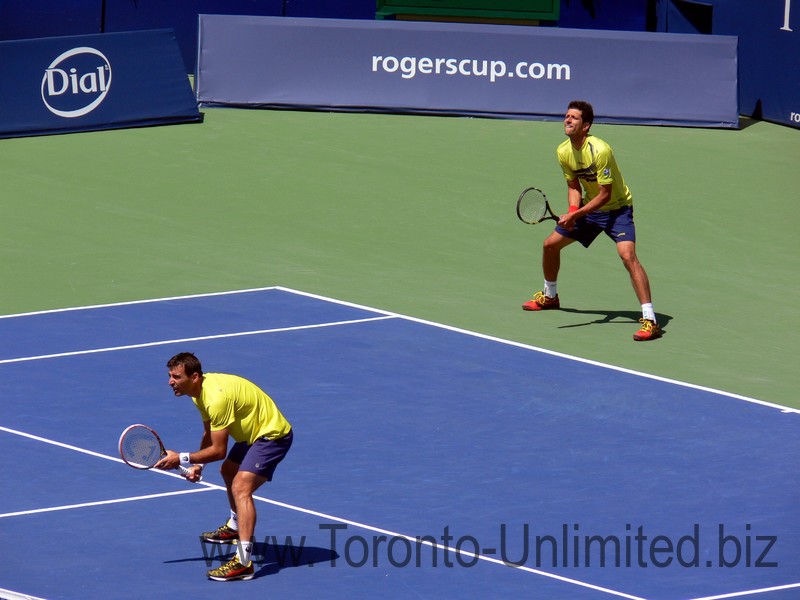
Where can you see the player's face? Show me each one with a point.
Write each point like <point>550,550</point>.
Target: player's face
<point>573,122</point>
<point>181,383</point>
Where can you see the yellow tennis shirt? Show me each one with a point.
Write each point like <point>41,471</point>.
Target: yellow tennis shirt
<point>240,406</point>
<point>594,165</point>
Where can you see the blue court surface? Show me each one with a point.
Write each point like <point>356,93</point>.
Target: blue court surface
<point>428,462</point>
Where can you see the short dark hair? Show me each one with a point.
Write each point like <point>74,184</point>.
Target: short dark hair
<point>191,364</point>
<point>587,112</point>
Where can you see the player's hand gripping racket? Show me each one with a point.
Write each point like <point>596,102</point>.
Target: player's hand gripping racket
<point>141,448</point>
<point>532,207</point>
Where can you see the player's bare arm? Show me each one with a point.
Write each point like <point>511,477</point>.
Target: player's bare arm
<point>216,450</point>
<point>574,196</point>
<point>574,189</point>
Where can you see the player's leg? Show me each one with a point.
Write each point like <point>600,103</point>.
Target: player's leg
<point>621,228</point>
<point>228,532</point>
<point>551,265</point>
<point>639,279</point>
<point>641,286</point>
<point>228,470</point>
<point>256,467</point>
<point>241,488</point>
<point>244,486</point>
<point>551,254</point>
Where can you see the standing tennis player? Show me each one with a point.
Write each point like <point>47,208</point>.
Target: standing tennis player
<point>231,406</point>
<point>588,163</point>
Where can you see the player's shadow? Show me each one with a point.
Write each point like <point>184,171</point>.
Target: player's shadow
<point>614,317</point>
<point>269,556</point>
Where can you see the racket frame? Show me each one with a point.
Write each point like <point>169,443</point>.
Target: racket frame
<point>549,214</point>
<point>163,450</point>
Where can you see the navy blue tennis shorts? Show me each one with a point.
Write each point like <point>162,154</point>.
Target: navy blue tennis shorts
<point>262,456</point>
<point>616,224</point>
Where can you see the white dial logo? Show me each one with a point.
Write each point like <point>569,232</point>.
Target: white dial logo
<point>76,82</point>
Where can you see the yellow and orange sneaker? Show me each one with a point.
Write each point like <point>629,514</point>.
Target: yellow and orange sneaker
<point>221,535</point>
<point>232,570</point>
<point>541,302</point>
<point>648,331</point>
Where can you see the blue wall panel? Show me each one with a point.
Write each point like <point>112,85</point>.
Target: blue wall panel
<point>465,69</point>
<point>181,15</point>
<point>26,19</point>
<point>769,56</point>
<point>617,15</point>
<point>325,9</point>
<point>93,82</point>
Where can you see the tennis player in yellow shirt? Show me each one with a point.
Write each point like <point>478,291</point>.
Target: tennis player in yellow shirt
<point>591,170</point>
<point>231,406</point>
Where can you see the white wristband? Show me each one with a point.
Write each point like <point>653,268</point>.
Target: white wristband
<point>185,462</point>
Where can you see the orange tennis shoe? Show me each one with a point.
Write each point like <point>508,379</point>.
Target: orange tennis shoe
<point>221,535</point>
<point>541,302</point>
<point>232,570</point>
<point>649,331</point>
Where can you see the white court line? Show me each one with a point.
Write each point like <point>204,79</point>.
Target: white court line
<point>387,314</point>
<point>448,548</point>
<point>205,487</point>
<point>134,302</point>
<point>777,588</point>
<point>9,595</point>
<point>189,339</point>
<point>37,438</point>
<point>34,511</point>
<point>784,409</point>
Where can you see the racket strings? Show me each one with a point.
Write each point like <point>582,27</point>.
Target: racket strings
<point>532,206</point>
<point>140,447</point>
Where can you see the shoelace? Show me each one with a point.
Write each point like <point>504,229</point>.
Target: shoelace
<point>229,566</point>
<point>647,325</point>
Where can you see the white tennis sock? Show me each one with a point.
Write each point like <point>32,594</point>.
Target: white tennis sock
<point>648,312</point>
<point>233,522</point>
<point>243,551</point>
<point>550,289</point>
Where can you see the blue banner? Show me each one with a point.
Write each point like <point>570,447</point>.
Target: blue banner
<point>85,83</point>
<point>467,69</point>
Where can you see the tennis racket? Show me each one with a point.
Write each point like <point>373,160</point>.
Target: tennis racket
<point>141,448</point>
<point>532,207</point>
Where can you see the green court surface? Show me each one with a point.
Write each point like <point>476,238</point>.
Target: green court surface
<point>415,215</point>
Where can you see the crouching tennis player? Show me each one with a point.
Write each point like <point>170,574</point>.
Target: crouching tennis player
<point>588,163</point>
<point>231,406</point>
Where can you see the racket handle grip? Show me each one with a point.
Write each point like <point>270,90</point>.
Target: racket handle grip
<point>186,471</point>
